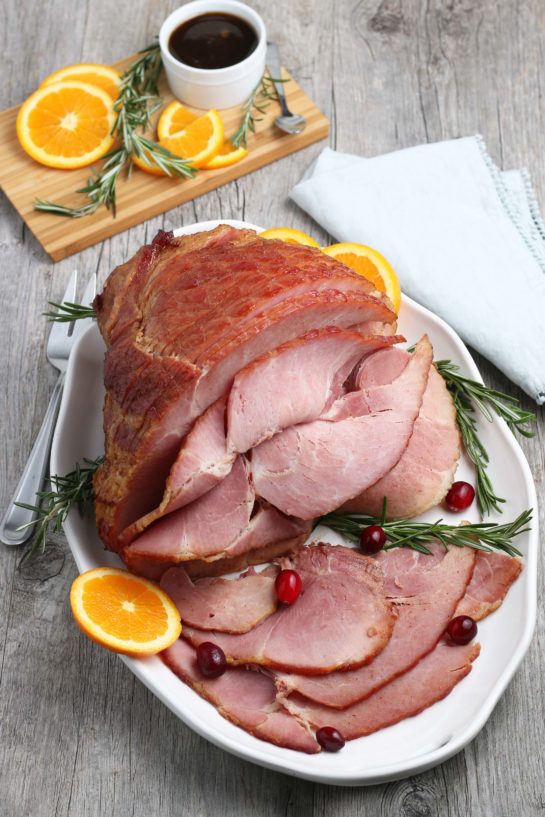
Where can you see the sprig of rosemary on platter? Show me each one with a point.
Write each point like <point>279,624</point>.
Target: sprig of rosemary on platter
<point>257,103</point>
<point>485,536</point>
<point>53,506</point>
<point>469,395</point>
<point>137,101</point>
<point>67,312</point>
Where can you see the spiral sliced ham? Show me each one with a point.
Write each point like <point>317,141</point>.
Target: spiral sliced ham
<point>341,620</point>
<point>424,606</point>
<point>246,698</point>
<point>180,320</point>
<point>313,468</point>
<point>492,577</point>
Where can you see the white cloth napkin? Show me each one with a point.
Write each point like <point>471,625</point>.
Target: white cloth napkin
<point>466,240</point>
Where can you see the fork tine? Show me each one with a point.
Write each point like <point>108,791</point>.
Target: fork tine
<point>59,331</point>
<point>87,299</point>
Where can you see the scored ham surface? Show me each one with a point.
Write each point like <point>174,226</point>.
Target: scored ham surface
<point>180,320</point>
<point>424,606</point>
<point>426,469</point>
<point>492,577</point>
<point>225,605</point>
<point>246,698</point>
<point>429,681</point>
<point>342,611</point>
<point>313,468</point>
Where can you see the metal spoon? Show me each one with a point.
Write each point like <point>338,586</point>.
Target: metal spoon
<point>287,121</point>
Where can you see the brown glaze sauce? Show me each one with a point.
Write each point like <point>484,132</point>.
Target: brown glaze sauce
<point>214,40</point>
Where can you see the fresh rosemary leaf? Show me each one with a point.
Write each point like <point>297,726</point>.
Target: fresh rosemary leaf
<point>68,312</point>
<point>53,506</point>
<point>257,103</point>
<point>487,536</point>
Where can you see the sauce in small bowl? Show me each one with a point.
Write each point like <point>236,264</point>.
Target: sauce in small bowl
<point>213,52</point>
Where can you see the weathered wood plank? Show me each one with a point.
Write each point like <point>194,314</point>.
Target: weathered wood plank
<point>78,734</point>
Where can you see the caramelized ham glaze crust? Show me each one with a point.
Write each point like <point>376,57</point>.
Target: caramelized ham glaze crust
<point>180,320</point>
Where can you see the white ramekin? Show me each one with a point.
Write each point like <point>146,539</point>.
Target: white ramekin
<point>218,87</point>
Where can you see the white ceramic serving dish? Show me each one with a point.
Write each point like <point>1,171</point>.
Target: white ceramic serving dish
<point>219,87</point>
<point>411,746</point>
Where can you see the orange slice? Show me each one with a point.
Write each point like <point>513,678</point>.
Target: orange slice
<point>228,155</point>
<point>66,124</point>
<point>371,265</point>
<point>102,76</point>
<point>199,141</point>
<point>124,613</point>
<point>175,118</point>
<point>290,235</point>
<point>153,169</point>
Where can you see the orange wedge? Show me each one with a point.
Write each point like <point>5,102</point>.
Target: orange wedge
<point>124,613</point>
<point>152,169</point>
<point>228,155</point>
<point>371,265</point>
<point>290,235</point>
<point>66,124</point>
<point>175,118</point>
<point>199,141</point>
<point>102,76</point>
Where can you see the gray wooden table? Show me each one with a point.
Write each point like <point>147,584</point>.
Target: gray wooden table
<point>78,734</point>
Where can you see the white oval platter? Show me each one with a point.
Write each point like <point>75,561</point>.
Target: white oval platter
<point>413,745</point>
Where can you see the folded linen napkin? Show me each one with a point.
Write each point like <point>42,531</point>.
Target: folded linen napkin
<point>466,240</point>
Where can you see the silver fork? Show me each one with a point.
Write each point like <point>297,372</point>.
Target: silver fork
<point>59,347</point>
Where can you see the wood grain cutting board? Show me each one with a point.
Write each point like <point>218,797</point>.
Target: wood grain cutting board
<point>141,196</point>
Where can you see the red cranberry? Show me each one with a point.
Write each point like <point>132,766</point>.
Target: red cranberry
<point>288,586</point>
<point>372,539</point>
<point>460,496</point>
<point>330,739</point>
<point>462,629</point>
<point>211,660</point>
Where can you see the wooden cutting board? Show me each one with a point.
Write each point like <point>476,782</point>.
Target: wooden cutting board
<point>141,196</point>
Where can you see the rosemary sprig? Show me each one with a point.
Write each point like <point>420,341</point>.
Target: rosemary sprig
<point>73,490</point>
<point>137,101</point>
<point>485,536</point>
<point>259,100</point>
<point>469,395</point>
<point>68,312</point>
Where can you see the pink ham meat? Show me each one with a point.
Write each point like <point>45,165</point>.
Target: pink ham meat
<point>180,320</point>
<point>493,576</point>
<point>425,603</point>
<point>205,529</point>
<point>294,383</point>
<point>313,468</point>
<point>426,469</point>
<point>245,698</point>
<point>341,619</point>
<point>202,462</point>
<point>225,605</point>
<point>429,681</point>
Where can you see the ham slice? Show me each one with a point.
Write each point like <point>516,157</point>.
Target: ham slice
<point>202,462</point>
<point>493,575</point>
<point>225,605</point>
<point>426,469</point>
<point>180,320</point>
<point>243,697</point>
<point>429,681</point>
<point>341,620</point>
<point>425,603</point>
<point>313,468</point>
<point>205,529</point>
<point>294,383</point>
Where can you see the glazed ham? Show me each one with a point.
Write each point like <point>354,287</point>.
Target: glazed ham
<point>425,604</point>
<point>493,576</point>
<point>246,698</point>
<point>180,320</point>
<point>342,594</point>
<point>224,605</point>
<point>293,471</point>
